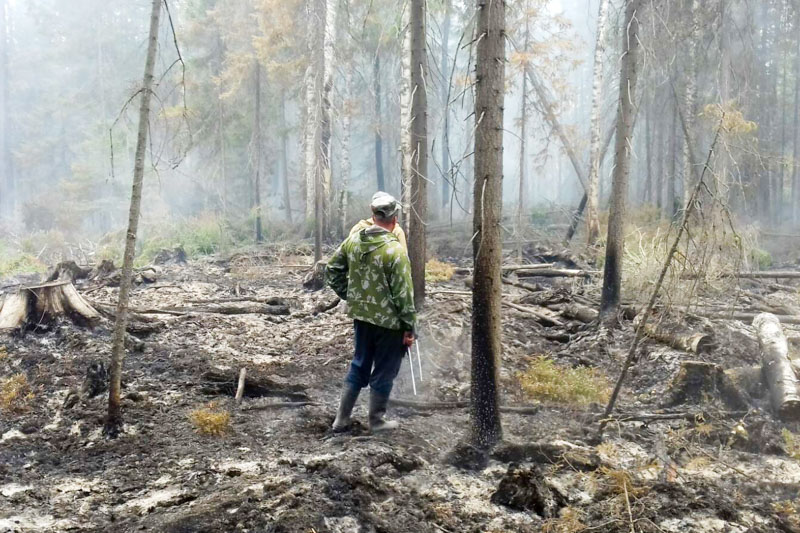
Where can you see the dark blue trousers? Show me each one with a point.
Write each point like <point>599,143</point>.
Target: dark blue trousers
<point>378,355</point>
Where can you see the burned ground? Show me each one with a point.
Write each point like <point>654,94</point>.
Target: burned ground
<point>699,465</point>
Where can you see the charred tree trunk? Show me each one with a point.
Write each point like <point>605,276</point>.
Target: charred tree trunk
<point>376,70</point>
<point>487,244</point>
<point>114,420</point>
<point>406,118</point>
<point>612,273</point>
<point>419,152</point>
<point>592,193</point>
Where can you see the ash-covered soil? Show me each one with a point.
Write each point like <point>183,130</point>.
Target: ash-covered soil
<point>279,469</point>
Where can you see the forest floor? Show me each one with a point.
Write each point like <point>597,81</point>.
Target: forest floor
<point>703,465</point>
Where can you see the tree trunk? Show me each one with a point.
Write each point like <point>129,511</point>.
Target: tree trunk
<point>777,367</point>
<point>114,420</point>
<point>523,122</point>
<point>326,144</point>
<point>346,116</point>
<point>287,197</point>
<point>257,153</point>
<point>612,274</point>
<point>406,116</point>
<point>445,73</point>
<point>418,214</point>
<point>6,176</point>
<point>689,101</point>
<point>487,245</point>
<point>376,69</point>
<point>796,127</point>
<point>592,193</point>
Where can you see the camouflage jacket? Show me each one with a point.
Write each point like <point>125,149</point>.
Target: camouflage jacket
<point>398,231</point>
<point>372,272</point>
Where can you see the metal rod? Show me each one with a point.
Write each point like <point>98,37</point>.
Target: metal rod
<point>419,360</point>
<point>411,367</point>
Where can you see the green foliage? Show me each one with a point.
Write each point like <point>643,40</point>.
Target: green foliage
<point>762,258</point>
<point>791,443</point>
<point>545,381</point>
<point>16,262</point>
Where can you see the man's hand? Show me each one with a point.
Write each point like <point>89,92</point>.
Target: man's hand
<point>408,339</point>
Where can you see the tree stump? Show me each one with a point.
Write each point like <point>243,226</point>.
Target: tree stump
<point>41,305</point>
<point>315,280</point>
<point>67,271</point>
<point>698,381</point>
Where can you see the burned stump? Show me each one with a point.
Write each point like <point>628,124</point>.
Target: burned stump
<point>68,271</point>
<point>698,381</point>
<point>315,280</point>
<point>525,489</point>
<point>38,306</point>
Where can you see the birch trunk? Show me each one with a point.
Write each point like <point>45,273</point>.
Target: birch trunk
<point>113,423</point>
<point>796,128</point>
<point>6,175</point>
<point>612,272</point>
<point>326,144</point>
<point>777,367</point>
<point>485,424</point>
<point>592,192</point>
<point>346,114</point>
<point>376,70</point>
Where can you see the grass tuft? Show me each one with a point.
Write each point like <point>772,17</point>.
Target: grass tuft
<point>15,394</point>
<point>791,443</point>
<point>436,270</point>
<point>568,522</point>
<point>210,421</point>
<point>545,381</point>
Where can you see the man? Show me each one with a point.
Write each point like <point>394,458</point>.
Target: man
<point>371,271</point>
<point>378,198</point>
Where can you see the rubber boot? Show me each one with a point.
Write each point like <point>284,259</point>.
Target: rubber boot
<point>346,403</point>
<point>377,408</point>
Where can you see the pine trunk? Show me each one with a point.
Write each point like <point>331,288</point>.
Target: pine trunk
<point>592,193</point>
<point>326,144</point>
<point>523,122</point>
<point>796,128</point>
<point>343,29</point>
<point>487,244</point>
<point>418,197</point>
<point>612,273</point>
<point>114,421</point>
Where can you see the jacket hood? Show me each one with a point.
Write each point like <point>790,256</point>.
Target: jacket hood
<point>374,238</point>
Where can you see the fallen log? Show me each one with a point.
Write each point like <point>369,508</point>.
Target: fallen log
<point>746,317</point>
<point>42,305</point>
<point>777,367</point>
<point>761,274</point>
<point>578,457</point>
<point>508,268</point>
<point>557,273</point>
<point>680,340</point>
<point>444,406</point>
<point>543,315</point>
<point>580,312</point>
<point>218,382</point>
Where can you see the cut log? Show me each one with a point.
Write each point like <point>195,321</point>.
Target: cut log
<point>557,273</point>
<point>694,342</point>
<point>41,305</point>
<point>543,315</point>
<point>777,367</point>
<point>467,271</point>
<point>745,317</point>
<point>67,271</point>
<point>698,381</point>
